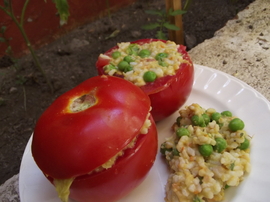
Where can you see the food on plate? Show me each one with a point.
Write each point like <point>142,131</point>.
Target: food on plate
<point>97,141</point>
<point>207,153</point>
<point>162,69</point>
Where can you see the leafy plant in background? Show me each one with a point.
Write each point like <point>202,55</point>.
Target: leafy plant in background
<point>163,21</point>
<point>62,7</point>
<point>9,51</point>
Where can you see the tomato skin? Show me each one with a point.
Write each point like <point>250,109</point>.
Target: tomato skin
<point>64,141</point>
<point>169,93</point>
<point>71,145</point>
<point>168,100</point>
<point>127,173</point>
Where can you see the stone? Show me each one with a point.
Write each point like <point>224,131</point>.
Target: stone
<point>78,43</point>
<point>13,90</point>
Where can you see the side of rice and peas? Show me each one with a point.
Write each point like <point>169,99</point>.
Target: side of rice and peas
<point>208,151</point>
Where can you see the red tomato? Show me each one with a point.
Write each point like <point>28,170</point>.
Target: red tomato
<point>167,93</point>
<point>68,144</point>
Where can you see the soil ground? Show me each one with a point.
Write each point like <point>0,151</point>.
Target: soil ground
<point>68,61</point>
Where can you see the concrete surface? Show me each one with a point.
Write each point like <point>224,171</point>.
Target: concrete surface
<point>241,49</point>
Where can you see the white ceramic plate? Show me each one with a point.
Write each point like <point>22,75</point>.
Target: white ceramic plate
<point>212,88</point>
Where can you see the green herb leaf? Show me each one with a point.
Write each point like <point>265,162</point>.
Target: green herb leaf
<point>177,12</point>
<point>175,152</point>
<point>150,26</point>
<point>171,26</point>
<point>232,166</point>
<point>63,10</point>
<point>155,12</point>
<point>170,11</point>
<point>196,199</point>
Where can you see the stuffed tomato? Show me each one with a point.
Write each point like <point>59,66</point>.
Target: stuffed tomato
<point>162,69</point>
<point>97,141</point>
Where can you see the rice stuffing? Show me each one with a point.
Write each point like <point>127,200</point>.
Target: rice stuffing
<point>207,153</point>
<point>143,63</point>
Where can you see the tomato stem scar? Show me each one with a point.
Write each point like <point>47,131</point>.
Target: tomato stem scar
<point>83,102</point>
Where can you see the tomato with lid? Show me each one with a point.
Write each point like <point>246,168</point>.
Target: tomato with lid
<point>97,141</point>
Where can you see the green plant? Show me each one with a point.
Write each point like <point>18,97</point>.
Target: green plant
<point>8,51</point>
<point>3,38</point>
<point>2,32</point>
<point>171,19</point>
<point>163,21</point>
<point>20,80</point>
<point>62,7</point>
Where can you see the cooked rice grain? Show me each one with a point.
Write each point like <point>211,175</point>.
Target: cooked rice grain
<point>195,177</point>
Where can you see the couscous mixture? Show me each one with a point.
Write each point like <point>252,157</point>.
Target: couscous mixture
<point>207,154</point>
<point>142,63</point>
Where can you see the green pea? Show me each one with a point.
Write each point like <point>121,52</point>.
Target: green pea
<point>149,76</point>
<point>197,121</point>
<point>244,145</point>
<point>128,59</point>
<point>144,53</point>
<point>236,124</point>
<point>160,56</point>
<point>206,118</point>
<point>205,150</point>
<point>232,166</point>
<point>116,54</point>
<point>123,65</point>
<point>182,132</point>
<point>110,67</point>
<point>216,116</point>
<point>221,144</point>
<point>133,49</point>
<point>226,113</point>
<point>163,64</point>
